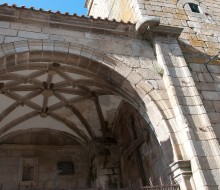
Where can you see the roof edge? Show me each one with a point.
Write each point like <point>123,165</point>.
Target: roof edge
<point>66,21</point>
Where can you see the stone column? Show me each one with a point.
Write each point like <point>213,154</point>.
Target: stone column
<point>194,129</point>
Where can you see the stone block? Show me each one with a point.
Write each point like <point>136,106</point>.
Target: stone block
<point>131,61</point>
<point>59,57</point>
<point>117,49</point>
<point>75,49</point>
<point>94,36</point>
<point>99,57</point>
<point>86,52</point>
<point>22,58</point>
<point>216,105</point>
<point>138,50</point>
<point>145,85</point>
<point>8,48</point>
<point>134,77</point>
<point>10,61</point>
<point>214,69</point>
<point>61,32</point>
<point>57,37</point>
<point>106,46</point>
<point>61,47</point>
<point>8,32</point>
<point>12,39</point>
<point>194,110</point>
<point>201,77</point>
<point>25,27</point>
<point>147,63</point>
<point>216,77</point>
<point>217,87</point>
<point>209,106</point>
<point>35,45</point>
<point>195,76</point>
<point>83,41</point>
<point>148,74</point>
<point>48,45</point>
<point>4,24</point>
<point>208,77</point>
<point>2,38</point>
<point>123,69</point>
<point>156,84</point>
<point>214,117</point>
<point>33,35</point>
<point>179,72</point>
<point>206,86</point>
<point>21,46</point>
<point>210,95</point>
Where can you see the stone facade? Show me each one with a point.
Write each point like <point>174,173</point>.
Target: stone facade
<point>127,103</point>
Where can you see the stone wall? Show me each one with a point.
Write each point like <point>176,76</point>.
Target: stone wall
<point>200,30</point>
<point>208,83</point>
<point>46,171</point>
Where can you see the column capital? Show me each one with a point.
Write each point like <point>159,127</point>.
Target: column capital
<point>181,173</point>
<point>149,27</point>
<point>180,168</point>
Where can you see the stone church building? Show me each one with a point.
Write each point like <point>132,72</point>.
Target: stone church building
<point>127,97</point>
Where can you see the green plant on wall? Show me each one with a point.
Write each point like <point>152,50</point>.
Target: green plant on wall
<point>158,69</point>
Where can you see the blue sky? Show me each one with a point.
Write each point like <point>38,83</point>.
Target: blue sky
<point>71,6</point>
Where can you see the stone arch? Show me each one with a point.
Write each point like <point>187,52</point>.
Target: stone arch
<point>11,136</point>
<point>91,63</point>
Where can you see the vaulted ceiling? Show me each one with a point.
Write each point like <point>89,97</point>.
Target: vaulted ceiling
<point>56,96</point>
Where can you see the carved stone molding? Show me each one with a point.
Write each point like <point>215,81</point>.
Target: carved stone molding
<point>149,27</point>
<point>181,167</point>
<point>146,23</point>
<point>181,173</point>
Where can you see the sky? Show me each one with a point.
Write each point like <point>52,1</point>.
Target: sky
<point>71,6</point>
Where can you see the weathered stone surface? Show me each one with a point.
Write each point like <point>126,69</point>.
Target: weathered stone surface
<point>51,63</point>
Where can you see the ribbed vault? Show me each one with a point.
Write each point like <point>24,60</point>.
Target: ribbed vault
<point>57,96</point>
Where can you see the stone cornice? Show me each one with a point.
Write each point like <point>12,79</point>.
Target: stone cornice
<point>66,21</point>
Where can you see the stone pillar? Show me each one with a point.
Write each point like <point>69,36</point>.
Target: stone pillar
<point>194,131</point>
